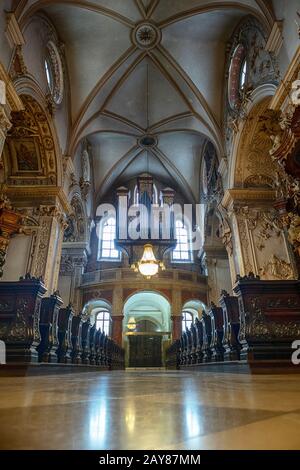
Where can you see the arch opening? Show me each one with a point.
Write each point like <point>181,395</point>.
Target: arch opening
<point>146,329</point>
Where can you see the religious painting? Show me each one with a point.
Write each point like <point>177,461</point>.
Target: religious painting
<point>25,154</point>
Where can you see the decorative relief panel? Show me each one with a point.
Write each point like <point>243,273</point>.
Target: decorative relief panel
<point>259,327</point>
<point>29,150</point>
<point>261,237</point>
<point>254,165</point>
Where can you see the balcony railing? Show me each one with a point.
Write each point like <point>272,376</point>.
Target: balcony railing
<point>119,274</point>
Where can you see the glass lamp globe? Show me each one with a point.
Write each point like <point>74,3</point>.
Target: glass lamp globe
<point>148,266</point>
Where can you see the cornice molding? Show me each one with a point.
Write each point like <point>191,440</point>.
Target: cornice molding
<point>248,196</point>
<point>14,102</point>
<point>275,40</point>
<point>39,195</point>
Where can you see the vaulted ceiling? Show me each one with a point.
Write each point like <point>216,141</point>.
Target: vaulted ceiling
<point>127,81</point>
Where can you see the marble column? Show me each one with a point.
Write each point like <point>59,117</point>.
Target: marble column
<point>117,329</point>
<point>176,326</point>
<point>176,315</point>
<point>117,315</point>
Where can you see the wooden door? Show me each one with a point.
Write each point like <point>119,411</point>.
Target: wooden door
<point>145,351</point>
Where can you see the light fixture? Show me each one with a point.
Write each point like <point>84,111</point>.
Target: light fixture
<point>131,325</point>
<point>148,266</point>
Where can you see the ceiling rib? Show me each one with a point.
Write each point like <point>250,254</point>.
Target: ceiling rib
<point>152,7</point>
<point>154,156</point>
<point>169,119</point>
<point>109,115</point>
<point>194,89</point>
<point>103,80</point>
<point>141,8</point>
<point>213,7</point>
<point>181,181</point>
<point>162,68</point>
<point>25,14</point>
<point>122,119</point>
<point>114,172</point>
<point>123,78</point>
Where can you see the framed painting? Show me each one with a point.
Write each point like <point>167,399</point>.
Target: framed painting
<point>25,154</point>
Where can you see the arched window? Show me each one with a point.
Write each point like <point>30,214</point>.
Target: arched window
<point>187,320</point>
<point>106,242</point>
<point>49,74</point>
<point>182,251</point>
<point>103,321</point>
<point>243,75</point>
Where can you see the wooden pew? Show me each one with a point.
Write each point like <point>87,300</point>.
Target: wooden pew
<point>64,349</point>
<point>85,342</point>
<point>269,318</point>
<point>48,326</point>
<point>216,314</point>
<point>207,337</point>
<point>20,304</point>
<point>76,339</point>
<point>231,314</point>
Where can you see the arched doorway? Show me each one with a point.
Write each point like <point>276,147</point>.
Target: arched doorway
<point>146,329</point>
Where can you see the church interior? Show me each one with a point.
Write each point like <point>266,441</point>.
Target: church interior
<point>149,224</point>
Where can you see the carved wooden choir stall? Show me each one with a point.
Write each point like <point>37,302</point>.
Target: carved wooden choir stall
<point>255,327</point>
<point>37,330</point>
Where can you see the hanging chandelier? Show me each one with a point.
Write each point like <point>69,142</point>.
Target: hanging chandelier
<point>131,325</point>
<point>148,265</point>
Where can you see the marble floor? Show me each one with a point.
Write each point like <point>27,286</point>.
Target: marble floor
<point>150,410</point>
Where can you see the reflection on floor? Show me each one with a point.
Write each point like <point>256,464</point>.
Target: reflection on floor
<point>150,410</point>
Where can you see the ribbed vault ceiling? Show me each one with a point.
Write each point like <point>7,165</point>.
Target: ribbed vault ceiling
<point>120,91</point>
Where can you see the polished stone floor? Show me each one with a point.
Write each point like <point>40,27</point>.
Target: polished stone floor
<point>150,410</point>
